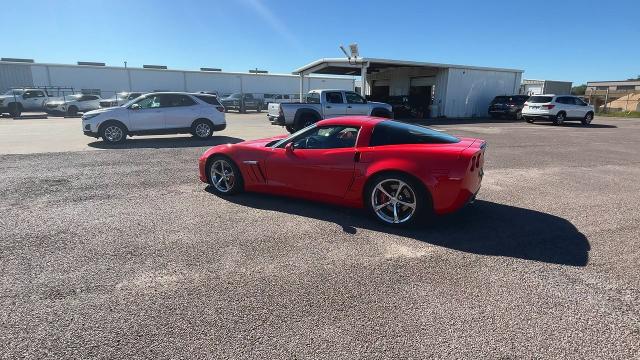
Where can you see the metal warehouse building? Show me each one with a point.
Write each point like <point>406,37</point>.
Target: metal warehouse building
<point>106,80</point>
<point>539,87</point>
<point>442,89</point>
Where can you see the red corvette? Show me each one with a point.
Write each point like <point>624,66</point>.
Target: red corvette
<point>398,171</point>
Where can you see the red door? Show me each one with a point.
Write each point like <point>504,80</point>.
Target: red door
<point>313,173</point>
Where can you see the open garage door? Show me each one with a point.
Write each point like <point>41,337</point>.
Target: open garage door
<point>380,89</point>
<point>421,95</point>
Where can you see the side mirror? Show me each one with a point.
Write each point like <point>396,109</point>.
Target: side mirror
<point>135,107</point>
<point>289,147</point>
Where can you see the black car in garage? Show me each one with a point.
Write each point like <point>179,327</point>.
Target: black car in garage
<point>507,106</point>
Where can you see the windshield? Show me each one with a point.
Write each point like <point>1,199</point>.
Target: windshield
<point>500,100</point>
<point>235,96</point>
<point>14,92</point>
<point>540,99</point>
<point>313,98</point>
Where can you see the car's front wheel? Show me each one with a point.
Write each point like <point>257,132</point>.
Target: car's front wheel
<point>587,118</point>
<point>113,133</point>
<point>72,111</point>
<point>396,199</point>
<point>202,129</point>
<point>224,176</point>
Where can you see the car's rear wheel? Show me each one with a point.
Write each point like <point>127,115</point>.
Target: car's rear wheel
<point>113,133</point>
<point>304,121</point>
<point>587,118</point>
<point>224,176</point>
<point>290,129</point>
<point>396,199</point>
<point>202,129</point>
<point>559,118</point>
<point>518,115</point>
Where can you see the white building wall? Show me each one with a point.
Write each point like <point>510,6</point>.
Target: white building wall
<point>115,79</point>
<point>469,92</point>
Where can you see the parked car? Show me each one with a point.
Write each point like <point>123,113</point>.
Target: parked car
<point>324,104</point>
<point>157,113</point>
<point>15,101</point>
<point>242,102</point>
<point>72,104</point>
<point>119,99</point>
<point>398,171</point>
<point>509,106</point>
<point>557,108</point>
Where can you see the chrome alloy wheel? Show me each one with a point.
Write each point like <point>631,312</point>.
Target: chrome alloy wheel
<point>203,130</point>
<point>393,201</point>
<point>222,176</point>
<point>113,133</point>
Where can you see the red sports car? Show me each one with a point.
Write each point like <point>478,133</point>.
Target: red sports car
<point>398,171</point>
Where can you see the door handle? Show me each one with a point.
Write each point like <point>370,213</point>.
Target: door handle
<point>328,107</point>
<point>349,107</point>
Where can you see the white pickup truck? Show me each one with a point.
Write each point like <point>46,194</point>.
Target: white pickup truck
<point>15,101</point>
<point>324,104</point>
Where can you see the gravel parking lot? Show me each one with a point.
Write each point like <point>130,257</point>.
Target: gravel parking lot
<point>122,253</point>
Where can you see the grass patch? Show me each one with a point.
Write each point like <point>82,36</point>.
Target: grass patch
<point>628,114</point>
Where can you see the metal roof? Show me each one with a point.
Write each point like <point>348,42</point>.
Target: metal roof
<point>344,66</point>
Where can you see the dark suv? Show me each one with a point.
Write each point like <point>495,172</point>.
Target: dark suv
<point>508,105</point>
<point>241,102</point>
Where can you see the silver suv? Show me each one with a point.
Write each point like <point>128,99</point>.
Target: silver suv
<point>557,108</point>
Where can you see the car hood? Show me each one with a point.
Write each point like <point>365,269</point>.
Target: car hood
<point>104,110</point>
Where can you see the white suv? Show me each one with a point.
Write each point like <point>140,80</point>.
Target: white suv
<point>557,109</point>
<point>73,104</point>
<point>157,113</point>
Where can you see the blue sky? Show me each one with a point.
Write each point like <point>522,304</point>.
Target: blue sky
<point>559,40</point>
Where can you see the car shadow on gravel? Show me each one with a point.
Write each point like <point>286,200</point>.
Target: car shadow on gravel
<point>483,228</point>
<point>168,143</point>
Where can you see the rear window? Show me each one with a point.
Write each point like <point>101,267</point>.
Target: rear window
<point>540,99</point>
<point>500,100</point>
<point>391,132</point>
<point>313,98</point>
<point>209,99</point>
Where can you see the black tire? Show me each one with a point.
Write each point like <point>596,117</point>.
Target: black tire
<point>518,115</point>
<point>290,129</point>
<point>305,120</point>
<point>588,117</point>
<point>113,132</point>
<point>202,129</point>
<point>15,109</point>
<point>72,111</point>
<point>530,120</point>
<point>412,191</point>
<point>237,185</point>
<point>559,118</point>
<point>259,108</point>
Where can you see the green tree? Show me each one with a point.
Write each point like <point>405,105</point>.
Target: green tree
<point>579,90</point>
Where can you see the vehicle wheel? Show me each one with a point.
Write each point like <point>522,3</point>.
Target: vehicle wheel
<point>518,115</point>
<point>72,111</point>
<point>529,120</point>
<point>304,121</point>
<point>559,118</point>
<point>290,129</point>
<point>259,108</point>
<point>396,199</point>
<point>226,110</point>
<point>202,129</point>
<point>15,109</point>
<point>224,176</point>
<point>587,118</point>
<point>113,133</point>
<point>242,110</point>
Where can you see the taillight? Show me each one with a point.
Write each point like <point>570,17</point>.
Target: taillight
<point>220,108</point>
<point>548,106</point>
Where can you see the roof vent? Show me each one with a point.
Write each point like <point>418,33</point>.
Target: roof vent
<point>157,67</point>
<point>210,69</point>
<point>91,63</point>
<point>256,71</point>
<point>17,60</point>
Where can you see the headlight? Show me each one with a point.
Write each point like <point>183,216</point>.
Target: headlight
<point>89,116</point>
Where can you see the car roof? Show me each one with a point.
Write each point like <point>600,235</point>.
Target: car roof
<point>351,120</point>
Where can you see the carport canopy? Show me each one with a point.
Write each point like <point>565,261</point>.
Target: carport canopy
<point>363,66</point>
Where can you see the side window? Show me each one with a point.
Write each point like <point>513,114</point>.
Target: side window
<point>209,99</point>
<point>149,102</point>
<point>396,133</point>
<point>248,96</point>
<point>28,95</point>
<point>353,98</point>
<point>174,100</point>
<point>334,97</point>
<point>313,98</point>
<point>38,93</point>
<point>579,102</point>
<point>327,137</point>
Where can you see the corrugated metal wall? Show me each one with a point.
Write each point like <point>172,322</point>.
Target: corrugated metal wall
<point>111,79</point>
<point>469,92</point>
<point>14,75</point>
